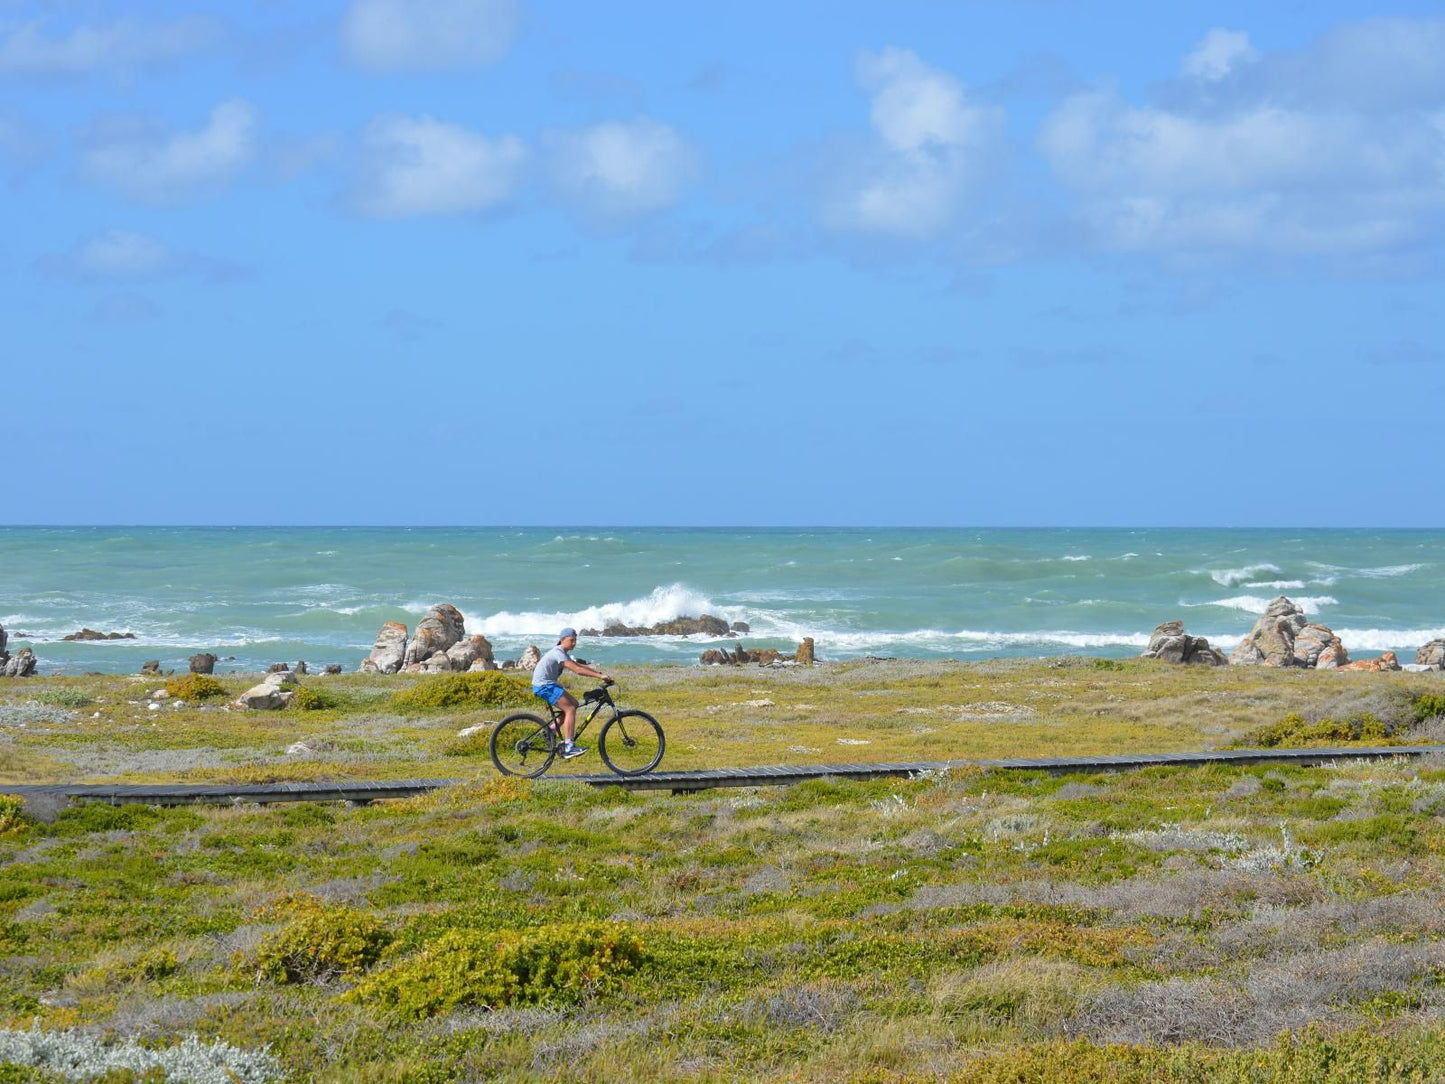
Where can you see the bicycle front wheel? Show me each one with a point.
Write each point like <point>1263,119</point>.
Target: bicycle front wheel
<point>522,745</point>
<point>631,743</point>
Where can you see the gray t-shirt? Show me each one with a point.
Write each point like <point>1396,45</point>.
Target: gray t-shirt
<point>549,667</point>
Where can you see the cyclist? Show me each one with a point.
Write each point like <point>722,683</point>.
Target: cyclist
<point>544,684</point>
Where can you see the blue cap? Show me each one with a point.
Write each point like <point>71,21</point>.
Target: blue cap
<point>566,633</point>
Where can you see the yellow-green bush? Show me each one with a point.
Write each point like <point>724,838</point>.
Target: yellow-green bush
<point>307,698</point>
<point>12,814</point>
<point>320,943</point>
<point>473,967</point>
<point>484,689</point>
<point>194,687</point>
<point>1293,731</point>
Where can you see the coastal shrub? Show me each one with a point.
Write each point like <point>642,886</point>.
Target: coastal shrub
<point>320,944</point>
<point>1428,706</point>
<point>64,698</point>
<point>195,687</point>
<point>13,817</point>
<point>1294,731</point>
<point>309,698</point>
<point>150,966</point>
<point>472,967</point>
<point>484,689</point>
<point>76,1055</point>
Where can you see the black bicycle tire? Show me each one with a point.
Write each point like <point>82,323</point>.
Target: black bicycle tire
<point>497,730</point>
<point>631,713</point>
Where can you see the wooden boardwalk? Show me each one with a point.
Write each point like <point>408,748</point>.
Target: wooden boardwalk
<point>171,794</point>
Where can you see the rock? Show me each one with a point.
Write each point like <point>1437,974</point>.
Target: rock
<point>437,631</point>
<point>278,668</point>
<point>333,668</point>
<point>4,658</point>
<point>530,658</point>
<point>300,667</point>
<point>204,663</point>
<point>805,652</point>
<point>714,657</point>
<point>151,666</point>
<point>1272,640</point>
<point>367,667</point>
<point>1431,654</point>
<point>480,665</point>
<point>1332,659</point>
<point>468,731</point>
<point>91,634</point>
<point>469,650</point>
<point>264,697</point>
<point>160,694</point>
<point>706,625</point>
<point>436,663</point>
<point>272,694</point>
<point>1387,661</point>
<point>740,626</point>
<point>1311,644</point>
<point>1170,643</point>
<point>21,664</point>
<point>388,652</point>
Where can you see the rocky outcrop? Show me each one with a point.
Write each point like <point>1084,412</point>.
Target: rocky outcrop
<point>1171,643</point>
<point>273,694</point>
<point>1284,636</point>
<point>91,634</point>
<point>21,664</point>
<point>530,658</point>
<point>1387,661</point>
<point>152,666</point>
<point>761,656</point>
<point>278,668</point>
<point>472,649</point>
<point>203,663</point>
<point>442,627</point>
<point>706,625</point>
<point>332,668</point>
<point>300,667</point>
<point>1431,655</point>
<point>388,652</point>
<point>741,626</point>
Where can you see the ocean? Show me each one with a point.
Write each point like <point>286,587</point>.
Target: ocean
<point>261,595</point>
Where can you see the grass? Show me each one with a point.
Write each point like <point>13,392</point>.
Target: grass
<point>1204,923</point>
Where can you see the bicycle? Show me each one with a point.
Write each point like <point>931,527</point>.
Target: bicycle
<point>630,742</point>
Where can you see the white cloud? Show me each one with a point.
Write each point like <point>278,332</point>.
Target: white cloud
<point>423,166</point>
<point>1217,55</point>
<point>934,142</point>
<point>125,45</point>
<point>128,256</point>
<point>1241,156</point>
<point>152,165</point>
<point>428,35</point>
<point>617,170</point>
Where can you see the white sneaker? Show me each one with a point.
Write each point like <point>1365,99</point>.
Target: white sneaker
<point>570,751</point>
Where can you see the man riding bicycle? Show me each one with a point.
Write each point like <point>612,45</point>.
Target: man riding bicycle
<point>544,684</point>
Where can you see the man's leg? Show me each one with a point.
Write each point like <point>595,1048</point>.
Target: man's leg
<point>568,707</point>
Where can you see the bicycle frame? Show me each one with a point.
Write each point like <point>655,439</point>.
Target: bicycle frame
<point>600,701</point>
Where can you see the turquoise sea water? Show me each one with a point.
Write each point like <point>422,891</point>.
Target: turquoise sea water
<point>265,595</point>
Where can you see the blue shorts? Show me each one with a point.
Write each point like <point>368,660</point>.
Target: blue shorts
<point>550,692</point>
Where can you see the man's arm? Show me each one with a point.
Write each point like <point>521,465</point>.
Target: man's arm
<point>585,671</point>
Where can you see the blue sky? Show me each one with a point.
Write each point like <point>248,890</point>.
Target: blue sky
<point>519,261</point>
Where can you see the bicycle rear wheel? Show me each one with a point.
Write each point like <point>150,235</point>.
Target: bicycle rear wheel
<point>631,743</point>
<point>522,745</point>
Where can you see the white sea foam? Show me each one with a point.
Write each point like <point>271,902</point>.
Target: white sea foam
<point>1357,640</point>
<point>1075,557</point>
<point>663,604</point>
<point>1275,585</point>
<point>1383,572</point>
<point>1257,604</point>
<point>1229,577</point>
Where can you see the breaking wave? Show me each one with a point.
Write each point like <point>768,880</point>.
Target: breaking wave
<point>1231,577</point>
<point>1257,604</point>
<point>663,604</point>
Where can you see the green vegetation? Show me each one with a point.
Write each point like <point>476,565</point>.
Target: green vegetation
<point>485,689</point>
<point>311,698</point>
<point>195,687</point>
<point>1293,731</point>
<point>472,967</point>
<point>319,943</point>
<point>1261,923</point>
